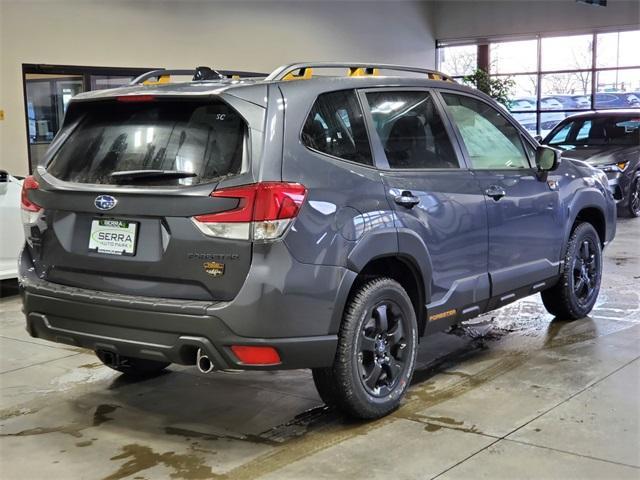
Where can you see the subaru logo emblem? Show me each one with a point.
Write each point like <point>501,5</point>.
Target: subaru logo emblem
<point>105,202</point>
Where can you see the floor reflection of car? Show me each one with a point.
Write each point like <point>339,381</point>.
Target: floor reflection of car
<point>11,236</point>
<point>609,140</point>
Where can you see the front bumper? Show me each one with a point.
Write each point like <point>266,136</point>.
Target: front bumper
<point>619,186</point>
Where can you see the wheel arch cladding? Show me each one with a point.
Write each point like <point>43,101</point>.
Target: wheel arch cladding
<point>595,217</point>
<point>404,270</point>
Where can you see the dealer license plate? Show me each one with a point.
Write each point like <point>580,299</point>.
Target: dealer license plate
<point>113,237</point>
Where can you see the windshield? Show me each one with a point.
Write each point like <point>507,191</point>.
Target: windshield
<point>195,142</point>
<point>597,131</point>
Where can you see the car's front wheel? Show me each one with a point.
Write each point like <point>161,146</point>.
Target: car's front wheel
<point>376,354</point>
<point>576,292</point>
<point>634,198</point>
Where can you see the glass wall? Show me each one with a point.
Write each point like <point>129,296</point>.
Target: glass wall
<point>458,61</point>
<point>558,76</point>
<point>48,90</point>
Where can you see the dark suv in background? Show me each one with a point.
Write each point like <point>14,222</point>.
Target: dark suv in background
<point>610,141</point>
<point>300,221</point>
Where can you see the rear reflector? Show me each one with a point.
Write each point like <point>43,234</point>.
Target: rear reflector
<point>136,98</point>
<point>264,211</point>
<point>249,355</point>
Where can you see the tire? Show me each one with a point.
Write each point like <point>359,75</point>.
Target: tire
<point>325,384</point>
<point>576,292</point>
<point>132,367</point>
<point>634,198</point>
<point>376,353</point>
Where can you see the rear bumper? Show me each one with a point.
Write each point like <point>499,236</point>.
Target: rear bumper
<point>299,326</point>
<point>156,335</point>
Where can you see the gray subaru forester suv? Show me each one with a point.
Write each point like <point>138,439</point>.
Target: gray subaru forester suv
<point>300,220</point>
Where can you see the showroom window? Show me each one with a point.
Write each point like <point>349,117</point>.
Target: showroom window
<point>556,76</point>
<point>458,61</point>
<point>48,90</point>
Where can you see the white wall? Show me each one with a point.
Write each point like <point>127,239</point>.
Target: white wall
<point>454,19</point>
<point>246,35</point>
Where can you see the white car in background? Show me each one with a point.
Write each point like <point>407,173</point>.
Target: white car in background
<point>11,234</point>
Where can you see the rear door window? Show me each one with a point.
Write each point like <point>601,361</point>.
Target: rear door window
<point>201,142</point>
<point>411,130</point>
<point>335,126</point>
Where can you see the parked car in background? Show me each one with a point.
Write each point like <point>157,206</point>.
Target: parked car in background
<point>528,120</point>
<point>584,101</point>
<point>610,141</point>
<point>550,103</point>
<point>11,234</point>
<point>617,100</point>
<point>567,102</point>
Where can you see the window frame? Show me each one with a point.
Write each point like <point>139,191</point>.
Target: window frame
<point>379,155</point>
<point>319,152</point>
<point>523,134</point>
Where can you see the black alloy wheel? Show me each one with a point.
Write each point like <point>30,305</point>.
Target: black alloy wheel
<point>376,351</point>
<point>634,198</point>
<point>381,351</point>
<point>576,292</point>
<point>585,271</point>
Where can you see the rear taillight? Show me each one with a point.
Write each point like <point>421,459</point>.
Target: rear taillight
<point>30,210</point>
<point>29,183</point>
<point>264,211</point>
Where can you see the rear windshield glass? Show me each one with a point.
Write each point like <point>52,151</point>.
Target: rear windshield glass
<point>152,143</point>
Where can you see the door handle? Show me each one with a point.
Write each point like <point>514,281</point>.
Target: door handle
<point>495,192</point>
<point>407,199</point>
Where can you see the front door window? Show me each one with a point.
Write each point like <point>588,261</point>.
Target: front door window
<point>492,142</point>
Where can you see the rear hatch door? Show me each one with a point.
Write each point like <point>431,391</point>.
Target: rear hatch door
<point>120,193</point>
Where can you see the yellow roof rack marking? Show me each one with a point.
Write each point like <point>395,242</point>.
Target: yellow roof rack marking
<point>161,79</point>
<point>304,73</point>
<point>363,72</point>
<point>301,70</point>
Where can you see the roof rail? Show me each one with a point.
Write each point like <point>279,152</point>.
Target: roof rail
<point>198,73</point>
<point>299,70</point>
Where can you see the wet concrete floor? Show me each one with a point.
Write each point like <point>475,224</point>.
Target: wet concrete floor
<point>512,394</point>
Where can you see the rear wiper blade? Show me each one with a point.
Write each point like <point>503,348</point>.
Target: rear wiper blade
<point>147,174</point>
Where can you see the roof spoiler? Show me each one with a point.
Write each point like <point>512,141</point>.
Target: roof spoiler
<point>303,70</point>
<point>197,74</point>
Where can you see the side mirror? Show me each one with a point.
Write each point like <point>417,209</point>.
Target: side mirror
<point>547,158</point>
<point>4,176</point>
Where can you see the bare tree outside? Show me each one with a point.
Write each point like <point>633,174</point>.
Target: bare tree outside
<point>458,61</point>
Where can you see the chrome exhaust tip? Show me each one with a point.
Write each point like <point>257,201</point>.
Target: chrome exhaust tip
<point>203,363</point>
